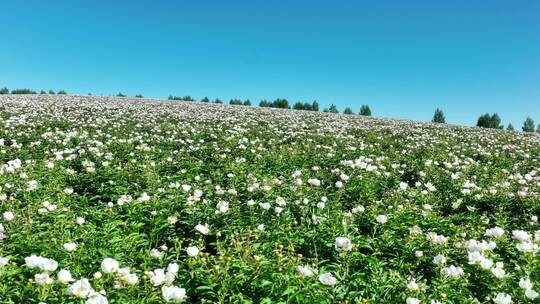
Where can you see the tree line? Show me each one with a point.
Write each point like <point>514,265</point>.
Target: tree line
<point>490,121</point>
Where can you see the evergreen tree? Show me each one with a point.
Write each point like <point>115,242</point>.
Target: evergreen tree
<point>495,122</point>
<point>205,99</point>
<point>139,96</point>
<point>247,102</point>
<point>4,91</point>
<point>307,106</point>
<point>218,101</point>
<point>62,92</point>
<point>333,109</point>
<point>538,129</point>
<point>348,111</point>
<point>489,121</point>
<point>42,92</point>
<point>528,125</point>
<point>298,105</point>
<point>51,92</point>
<point>22,91</point>
<point>325,110</point>
<point>264,104</point>
<point>315,106</point>
<point>120,94</point>
<point>510,127</point>
<point>365,110</point>
<point>235,101</point>
<point>281,103</point>
<point>438,117</point>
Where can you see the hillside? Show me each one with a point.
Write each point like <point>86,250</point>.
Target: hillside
<point>119,200</point>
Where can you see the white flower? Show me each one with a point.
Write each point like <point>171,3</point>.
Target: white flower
<point>156,254</point>
<point>173,294</point>
<point>452,271</point>
<point>381,219</point>
<point>525,283</point>
<point>3,261</point>
<point>314,182</point>
<point>531,294</point>
<point>502,298</point>
<point>80,220</point>
<point>97,298</point>
<point>69,247</point>
<point>81,288</point>
<point>44,264</point>
<point>265,206</point>
<point>498,270</point>
<point>202,229</point>
<point>495,232</point>
<point>8,216</point>
<point>306,270</point>
<point>260,227</point>
<point>192,251</point>
<point>327,279</point>
<point>43,279</point>
<point>109,265</point>
<point>222,207</point>
<point>343,243</point>
<point>411,300</point>
<point>439,259</point>
<point>412,285</point>
<point>520,235</point>
<point>173,268</point>
<point>64,276</point>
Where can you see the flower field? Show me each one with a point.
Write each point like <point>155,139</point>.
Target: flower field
<point>118,200</point>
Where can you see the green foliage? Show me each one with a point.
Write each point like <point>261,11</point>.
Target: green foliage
<point>299,208</point>
<point>139,96</point>
<point>315,106</point>
<point>365,110</point>
<point>264,103</point>
<point>247,102</point>
<point>61,92</point>
<point>205,99</point>
<point>4,91</point>
<point>22,91</point>
<point>510,127</point>
<point>489,121</point>
<point>528,125</point>
<point>333,109</point>
<point>235,101</point>
<point>348,111</point>
<point>120,94</point>
<point>218,101</point>
<point>280,103</point>
<point>438,117</point>
<point>51,92</point>
<point>42,92</point>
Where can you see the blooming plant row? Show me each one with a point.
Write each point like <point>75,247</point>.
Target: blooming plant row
<point>115,200</point>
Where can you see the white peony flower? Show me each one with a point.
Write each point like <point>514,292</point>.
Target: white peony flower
<point>64,276</point>
<point>502,298</point>
<point>173,294</point>
<point>69,247</point>
<point>343,243</point>
<point>327,279</point>
<point>203,229</point>
<point>8,216</point>
<point>192,251</point>
<point>109,265</point>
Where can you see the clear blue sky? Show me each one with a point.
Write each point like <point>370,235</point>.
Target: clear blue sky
<point>403,58</point>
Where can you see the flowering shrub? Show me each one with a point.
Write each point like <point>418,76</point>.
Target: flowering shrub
<point>118,200</point>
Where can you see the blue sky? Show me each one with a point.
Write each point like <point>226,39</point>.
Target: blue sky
<point>403,58</point>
